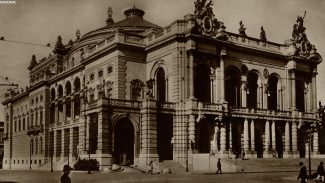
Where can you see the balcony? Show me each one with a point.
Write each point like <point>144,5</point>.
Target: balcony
<point>34,130</point>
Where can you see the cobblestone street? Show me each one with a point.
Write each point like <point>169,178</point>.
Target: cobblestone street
<point>134,177</point>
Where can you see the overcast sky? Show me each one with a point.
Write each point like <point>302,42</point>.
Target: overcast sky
<point>41,21</point>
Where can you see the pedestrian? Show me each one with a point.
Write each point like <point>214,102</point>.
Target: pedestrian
<point>65,177</point>
<point>302,174</point>
<point>320,172</point>
<point>243,154</point>
<point>219,167</point>
<point>151,167</point>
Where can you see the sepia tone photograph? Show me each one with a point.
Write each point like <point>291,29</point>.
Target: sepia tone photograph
<point>162,91</point>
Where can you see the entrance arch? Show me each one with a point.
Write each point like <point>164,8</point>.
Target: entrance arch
<point>124,141</point>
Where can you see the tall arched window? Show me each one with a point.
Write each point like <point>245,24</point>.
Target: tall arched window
<point>232,82</point>
<point>36,146</point>
<point>202,85</point>
<point>76,84</point>
<point>300,95</point>
<point>68,88</point>
<point>52,94</point>
<point>60,90</point>
<point>41,145</point>
<point>31,146</point>
<point>252,90</point>
<point>161,85</point>
<point>272,92</point>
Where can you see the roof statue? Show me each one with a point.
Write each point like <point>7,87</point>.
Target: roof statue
<point>59,47</point>
<point>109,20</point>
<point>206,23</point>
<point>242,29</point>
<point>263,35</point>
<point>33,63</point>
<point>299,44</point>
<point>78,34</point>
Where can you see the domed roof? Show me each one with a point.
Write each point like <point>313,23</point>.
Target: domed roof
<point>133,22</point>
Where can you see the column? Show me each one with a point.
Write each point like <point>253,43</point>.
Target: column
<point>273,136</point>
<point>244,91</point>
<point>105,159</point>
<point>54,145</point>
<point>71,144</point>
<point>294,139</point>
<point>314,91</point>
<point>293,81</point>
<point>222,76</point>
<point>64,110</point>
<point>223,139</point>
<point>230,138</point>
<point>56,114</point>
<point>191,76</point>
<point>246,135</point>
<point>264,93</point>
<point>63,144</point>
<point>72,107</point>
<point>315,143</point>
<point>267,136</point>
<point>252,135</point>
<point>191,130</point>
<point>287,137</point>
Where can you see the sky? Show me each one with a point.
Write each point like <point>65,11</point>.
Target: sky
<point>41,21</point>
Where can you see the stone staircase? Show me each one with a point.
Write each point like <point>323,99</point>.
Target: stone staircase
<point>209,165</point>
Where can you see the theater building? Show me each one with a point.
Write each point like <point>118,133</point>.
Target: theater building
<point>133,91</point>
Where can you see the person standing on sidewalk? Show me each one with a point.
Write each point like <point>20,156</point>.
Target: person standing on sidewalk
<point>302,174</point>
<point>320,172</point>
<point>65,177</point>
<point>219,167</point>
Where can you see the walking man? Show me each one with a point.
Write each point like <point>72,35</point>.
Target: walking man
<point>302,174</point>
<point>219,167</point>
<point>320,172</point>
<point>65,177</point>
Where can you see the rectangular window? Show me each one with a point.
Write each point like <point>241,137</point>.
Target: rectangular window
<point>22,161</point>
<point>14,161</point>
<point>41,117</point>
<point>18,162</point>
<point>35,162</point>
<point>15,126</point>
<point>31,162</point>
<point>40,162</point>
<point>19,125</point>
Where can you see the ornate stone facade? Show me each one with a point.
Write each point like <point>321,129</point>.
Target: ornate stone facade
<point>132,93</point>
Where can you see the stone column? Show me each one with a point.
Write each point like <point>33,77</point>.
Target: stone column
<point>287,137</point>
<point>72,107</point>
<point>230,138</point>
<point>293,81</point>
<point>63,144</point>
<point>314,91</point>
<point>191,130</point>
<point>244,91</point>
<point>246,136</point>
<point>264,93</point>
<point>71,135</point>
<point>273,136</point>
<point>267,153</point>
<point>222,76</point>
<point>294,139</point>
<point>64,110</point>
<point>148,150</point>
<point>191,76</point>
<point>223,139</point>
<point>252,135</point>
<point>315,144</point>
<point>54,145</point>
<point>105,159</point>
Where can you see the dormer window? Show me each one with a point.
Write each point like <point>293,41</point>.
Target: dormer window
<point>100,73</point>
<point>109,70</point>
<point>92,77</point>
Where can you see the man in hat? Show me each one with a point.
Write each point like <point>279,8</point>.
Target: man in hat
<point>65,177</point>
<point>320,172</point>
<point>303,173</point>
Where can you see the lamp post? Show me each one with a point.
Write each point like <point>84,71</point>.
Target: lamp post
<point>52,146</point>
<point>30,154</point>
<point>311,129</point>
<point>186,162</point>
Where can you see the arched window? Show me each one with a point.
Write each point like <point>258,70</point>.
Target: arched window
<point>92,77</point>
<point>232,86</point>
<point>31,146</point>
<point>272,92</point>
<point>36,146</point>
<point>68,88</point>
<point>109,70</point>
<point>60,91</point>
<point>100,73</point>
<point>161,85</point>
<point>41,145</point>
<point>52,94</point>
<point>76,84</point>
<point>202,85</point>
<point>252,90</point>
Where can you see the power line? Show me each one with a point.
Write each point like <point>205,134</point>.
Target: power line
<point>20,42</point>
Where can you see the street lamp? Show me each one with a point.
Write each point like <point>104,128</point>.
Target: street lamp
<point>186,162</point>
<point>311,129</point>
<point>52,145</point>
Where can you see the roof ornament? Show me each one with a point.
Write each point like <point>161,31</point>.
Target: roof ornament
<point>78,34</point>
<point>206,23</point>
<point>242,29</point>
<point>59,47</point>
<point>263,35</point>
<point>299,44</point>
<point>33,63</point>
<point>109,20</point>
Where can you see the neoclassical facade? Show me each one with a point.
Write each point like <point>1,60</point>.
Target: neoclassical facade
<point>132,92</point>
